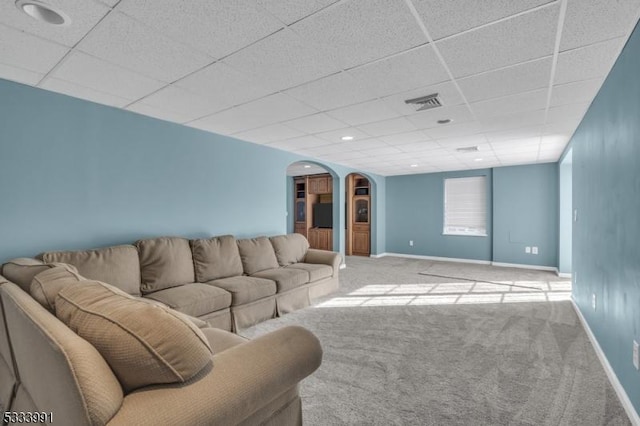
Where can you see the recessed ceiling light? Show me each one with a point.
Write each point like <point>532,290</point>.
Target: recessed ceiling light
<point>477,159</point>
<point>413,165</point>
<point>306,166</point>
<point>347,138</point>
<point>43,12</point>
<point>445,121</point>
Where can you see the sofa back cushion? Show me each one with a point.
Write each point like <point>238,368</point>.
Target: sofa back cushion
<point>118,265</point>
<point>216,258</point>
<point>165,262</point>
<point>290,248</point>
<point>47,284</point>
<point>257,255</point>
<point>143,343</point>
<point>21,271</point>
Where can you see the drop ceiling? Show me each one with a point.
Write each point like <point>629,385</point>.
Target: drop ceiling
<point>515,77</point>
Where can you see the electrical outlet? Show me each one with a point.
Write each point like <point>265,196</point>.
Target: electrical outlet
<point>636,362</point>
<point>527,249</point>
<point>575,215</point>
<point>411,243</point>
<point>593,301</point>
<point>534,250</point>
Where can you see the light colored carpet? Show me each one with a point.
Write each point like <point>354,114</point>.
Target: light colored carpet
<point>402,348</point>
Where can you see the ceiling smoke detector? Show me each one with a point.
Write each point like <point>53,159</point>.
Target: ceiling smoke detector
<point>43,12</point>
<point>468,149</point>
<point>425,102</point>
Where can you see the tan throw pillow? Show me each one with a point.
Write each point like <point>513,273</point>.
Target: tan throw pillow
<point>257,255</point>
<point>143,343</point>
<point>216,258</point>
<point>165,262</point>
<point>290,248</point>
<point>47,284</point>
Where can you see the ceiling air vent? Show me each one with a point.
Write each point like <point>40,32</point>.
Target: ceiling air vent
<point>425,102</point>
<point>468,149</point>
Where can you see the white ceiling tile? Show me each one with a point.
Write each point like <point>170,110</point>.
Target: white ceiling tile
<point>384,152</point>
<point>268,134</point>
<point>515,40</point>
<point>22,50</point>
<point>521,102</point>
<point>19,75</point>
<point>315,123</point>
<point>405,138</point>
<point>226,84</point>
<point>388,127</point>
<point>365,112</point>
<point>121,40</point>
<point>70,89</point>
<point>550,157</point>
<point>518,146</point>
<point>333,91</point>
<point>216,27</point>
<point>283,60</point>
<point>513,121</point>
<point>158,113</point>
<point>343,156</point>
<point>290,11</point>
<point>188,104</point>
<point>399,156</point>
<point>330,149</point>
<point>84,16</point>
<point>464,142</point>
<point>590,21</point>
<point>519,133</point>
<point>419,146</point>
<point>361,31</point>
<point>570,113</point>
<point>561,127</point>
<point>447,93</point>
<point>334,136</point>
<point>429,118</point>
<point>269,110</point>
<point>507,81</point>
<point>302,142</point>
<point>550,142</point>
<point>110,3</point>
<point>447,17</point>
<point>587,62</point>
<point>580,91</point>
<point>415,68</point>
<point>453,130</point>
<point>96,74</point>
<point>365,144</point>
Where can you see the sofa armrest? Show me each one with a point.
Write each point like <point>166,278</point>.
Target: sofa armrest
<point>324,257</point>
<point>243,379</point>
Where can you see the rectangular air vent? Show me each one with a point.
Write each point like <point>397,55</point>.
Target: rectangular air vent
<point>425,102</point>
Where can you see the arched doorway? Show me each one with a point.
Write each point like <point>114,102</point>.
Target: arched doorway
<point>313,204</point>
<point>358,202</point>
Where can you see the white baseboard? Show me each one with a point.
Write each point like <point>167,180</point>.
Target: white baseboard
<point>443,259</point>
<point>523,266</point>
<point>617,386</point>
<point>376,256</point>
<point>564,274</point>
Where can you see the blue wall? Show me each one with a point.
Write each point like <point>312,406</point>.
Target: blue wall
<point>74,174</point>
<point>415,209</point>
<point>525,213</point>
<point>565,167</point>
<point>522,210</point>
<point>606,236</point>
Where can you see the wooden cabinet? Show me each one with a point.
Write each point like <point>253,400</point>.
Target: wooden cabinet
<point>358,241</point>
<point>320,185</point>
<point>320,238</point>
<point>300,207</point>
<point>361,242</point>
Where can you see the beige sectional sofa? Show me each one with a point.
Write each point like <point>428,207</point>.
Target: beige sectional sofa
<point>132,334</point>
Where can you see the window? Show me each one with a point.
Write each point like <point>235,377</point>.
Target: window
<point>465,206</point>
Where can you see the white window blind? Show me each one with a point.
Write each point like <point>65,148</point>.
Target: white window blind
<point>465,206</point>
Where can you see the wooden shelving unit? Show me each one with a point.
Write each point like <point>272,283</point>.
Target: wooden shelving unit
<point>358,241</point>
<point>310,190</point>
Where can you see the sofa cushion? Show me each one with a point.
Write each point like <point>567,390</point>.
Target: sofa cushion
<point>193,299</point>
<point>22,270</point>
<point>257,255</point>
<point>143,343</point>
<point>245,289</point>
<point>165,262</point>
<point>316,272</point>
<point>285,278</point>
<point>291,248</point>
<point>215,258</point>
<point>118,265</point>
<point>47,284</point>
